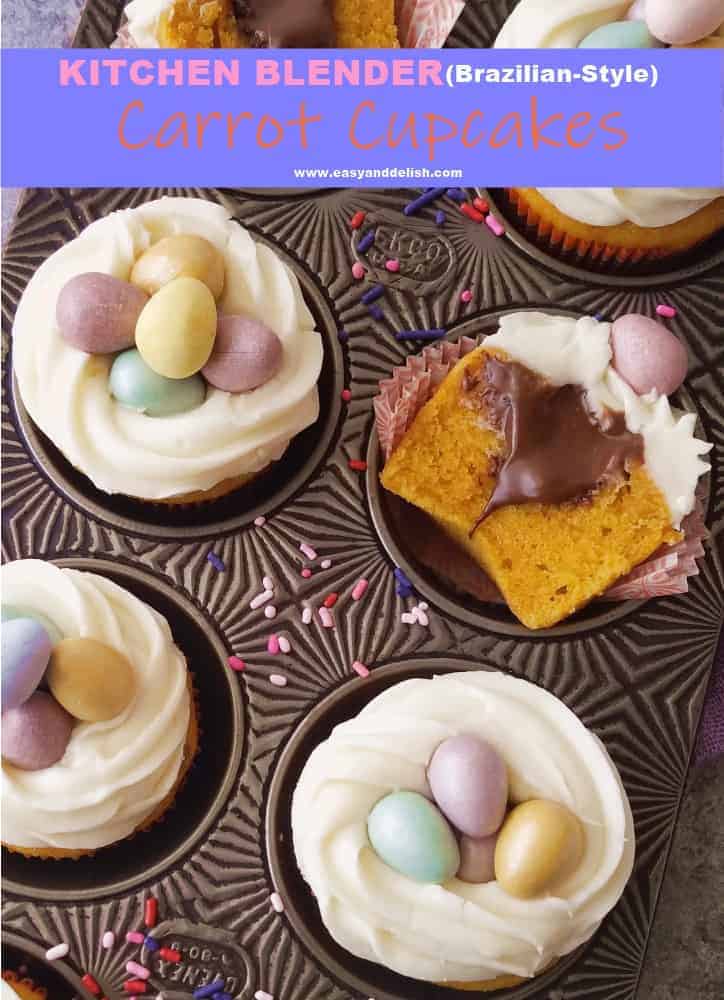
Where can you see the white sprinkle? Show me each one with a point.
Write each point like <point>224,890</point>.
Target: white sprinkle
<point>276,901</point>
<point>408,619</point>
<point>423,606</point>
<point>263,995</point>
<point>260,521</point>
<point>326,563</point>
<point>284,644</point>
<point>261,599</point>
<point>325,616</point>
<point>270,611</point>
<point>109,939</point>
<point>307,551</point>
<point>279,680</point>
<point>307,616</point>
<point>267,583</point>
<point>57,951</point>
<point>422,618</point>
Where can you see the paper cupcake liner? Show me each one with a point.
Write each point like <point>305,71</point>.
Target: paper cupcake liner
<point>401,397</point>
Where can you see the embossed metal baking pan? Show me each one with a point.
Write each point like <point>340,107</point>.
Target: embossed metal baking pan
<point>636,673</point>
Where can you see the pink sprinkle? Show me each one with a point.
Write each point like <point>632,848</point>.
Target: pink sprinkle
<point>420,617</point>
<point>267,583</point>
<point>260,599</point>
<point>466,296</point>
<point>408,619</point>
<point>236,664</point>
<point>138,970</point>
<point>359,589</point>
<point>346,395</point>
<point>360,668</point>
<point>307,551</point>
<point>270,612</point>
<point>326,563</point>
<point>358,271</point>
<point>667,311</point>
<point>263,995</point>
<point>325,616</point>
<point>260,521</point>
<point>494,226</point>
<point>393,266</point>
<point>133,937</point>
<point>278,680</point>
<point>272,645</point>
<point>284,644</point>
<point>307,616</point>
<point>276,901</point>
<point>306,573</point>
<point>108,940</point>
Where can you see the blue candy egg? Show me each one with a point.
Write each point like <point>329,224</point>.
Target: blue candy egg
<point>137,386</point>
<point>26,649</point>
<point>621,35</point>
<point>12,611</point>
<point>412,836</point>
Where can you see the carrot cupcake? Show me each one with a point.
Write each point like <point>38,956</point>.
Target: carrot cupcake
<point>550,454</point>
<point>466,830</point>
<point>167,355</point>
<point>13,985</point>
<point>98,726</point>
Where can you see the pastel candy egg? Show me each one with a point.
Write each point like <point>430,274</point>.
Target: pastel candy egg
<point>138,387</point>
<point>469,783</point>
<point>647,355</point>
<point>12,611</point>
<point>26,649</point>
<point>621,35</point>
<point>477,859</point>
<point>683,23</point>
<point>91,680</point>
<point>637,11</point>
<point>179,257</point>
<point>35,734</point>
<point>410,835</point>
<point>176,330</point>
<point>97,313</point>
<point>539,845</point>
<point>246,354</point>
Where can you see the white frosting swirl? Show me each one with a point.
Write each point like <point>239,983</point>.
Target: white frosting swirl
<point>113,774</point>
<point>142,21</point>
<point>123,451</point>
<point>457,931</point>
<point>578,352</point>
<point>646,207</point>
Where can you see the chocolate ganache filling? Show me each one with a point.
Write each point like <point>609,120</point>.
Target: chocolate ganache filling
<point>287,24</point>
<point>557,450</point>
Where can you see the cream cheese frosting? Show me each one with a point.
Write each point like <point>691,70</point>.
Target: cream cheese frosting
<point>66,392</point>
<point>569,351</point>
<point>142,18</point>
<point>113,774</point>
<point>647,207</point>
<point>458,931</point>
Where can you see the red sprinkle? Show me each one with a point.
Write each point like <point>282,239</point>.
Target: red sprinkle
<point>472,213</point>
<point>357,465</point>
<point>170,954</point>
<point>236,664</point>
<point>330,600</point>
<point>150,912</point>
<point>357,219</point>
<point>346,395</point>
<point>482,205</point>
<point>135,986</point>
<point>91,985</point>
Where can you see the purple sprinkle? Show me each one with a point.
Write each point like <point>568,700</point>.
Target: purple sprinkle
<point>425,199</point>
<point>216,562</point>
<point>208,991</point>
<point>222,996</point>
<point>376,292</point>
<point>440,218</point>
<point>366,242</point>
<point>342,336</point>
<point>151,943</point>
<point>457,194</point>
<point>419,335</point>
<point>376,313</point>
<point>399,574</point>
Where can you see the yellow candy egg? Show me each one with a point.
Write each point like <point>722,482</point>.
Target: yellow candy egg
<point>92,681</point>
<point>179,257</point>
<point>175,332</point>
<point>539,845</point>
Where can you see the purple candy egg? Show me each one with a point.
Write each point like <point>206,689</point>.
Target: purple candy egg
<point>683,23</point>
<point>97,313</point>
<point>35,735</point>
<point>477,859</point>
<point>469,782</point>
<point>26,649</point>
<point>246,354</point>
<point>647,355</point>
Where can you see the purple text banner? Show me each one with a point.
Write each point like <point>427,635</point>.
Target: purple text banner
<point>281,118</point>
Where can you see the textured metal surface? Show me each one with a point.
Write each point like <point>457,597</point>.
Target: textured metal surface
<point>638,680</point>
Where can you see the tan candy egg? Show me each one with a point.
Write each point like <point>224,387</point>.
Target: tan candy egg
<point>539,845</point>
<point>179,257</point>
<point>175,332</point>
<point>92,681</point>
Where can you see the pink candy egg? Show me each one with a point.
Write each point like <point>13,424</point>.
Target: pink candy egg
<point>246,354</point>
<point>469,783</point>
<point>36,733</point>
<point>647,355</point>
<point>681,23</point>
<point>477,859</point>
<point>637,12</point>
<point>97,312</point>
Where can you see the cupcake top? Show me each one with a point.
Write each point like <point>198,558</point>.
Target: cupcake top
<point>192,403</point>
<point>459,922</point>
<point>87,761</point>
<point>646,207</point>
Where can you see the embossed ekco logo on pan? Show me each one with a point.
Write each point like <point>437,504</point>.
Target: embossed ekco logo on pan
<point>425,259</point>
<point>207,955</point>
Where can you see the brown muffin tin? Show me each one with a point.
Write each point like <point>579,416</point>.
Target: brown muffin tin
<point>635,673</point>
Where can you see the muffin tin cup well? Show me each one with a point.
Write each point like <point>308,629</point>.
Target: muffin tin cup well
<point>221,716</point>
<point>56,977</point>
<point>361,977</point>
